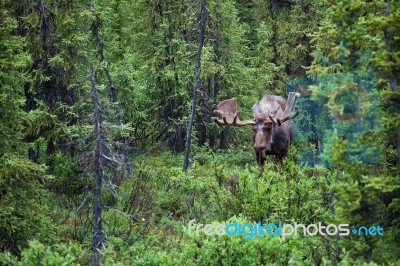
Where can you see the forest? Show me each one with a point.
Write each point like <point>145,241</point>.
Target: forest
<point>110,154</point>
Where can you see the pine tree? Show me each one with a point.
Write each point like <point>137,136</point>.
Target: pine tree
<point>23,210</point>
<point>364,185</point>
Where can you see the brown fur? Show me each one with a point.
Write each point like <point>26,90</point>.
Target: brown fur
<point>268,138</point>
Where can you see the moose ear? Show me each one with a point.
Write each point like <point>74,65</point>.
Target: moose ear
<point>256,108</point>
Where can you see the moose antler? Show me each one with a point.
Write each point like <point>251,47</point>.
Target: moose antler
<point>227,110</point>
<point>291,111</point>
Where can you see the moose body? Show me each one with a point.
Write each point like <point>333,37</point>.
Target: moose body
<point>272,130</point>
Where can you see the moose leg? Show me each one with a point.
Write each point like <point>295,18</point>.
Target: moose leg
<point>260,158</point>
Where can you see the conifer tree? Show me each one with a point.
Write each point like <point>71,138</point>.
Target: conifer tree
<point>23,215</point>
<point>356,147</point>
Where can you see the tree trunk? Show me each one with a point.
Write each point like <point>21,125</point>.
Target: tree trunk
<point>196,84</point>
<point>98,237</point>
<point>112,89</point>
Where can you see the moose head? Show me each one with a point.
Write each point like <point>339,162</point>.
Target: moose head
<point>271,131</point>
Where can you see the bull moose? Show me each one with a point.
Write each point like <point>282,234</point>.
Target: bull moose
<point>272,131</point>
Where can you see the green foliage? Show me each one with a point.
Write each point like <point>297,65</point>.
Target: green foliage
<point>363,188</point>
<point>24,210</point>
<point>39,254</point>
<point>159,201</point>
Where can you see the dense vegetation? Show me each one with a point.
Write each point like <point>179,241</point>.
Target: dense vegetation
<point>95,101</point>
